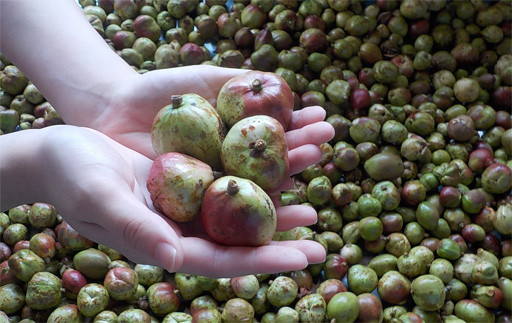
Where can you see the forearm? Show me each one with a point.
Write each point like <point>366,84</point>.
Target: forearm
<point>19,167</point>
<point>52,42</point>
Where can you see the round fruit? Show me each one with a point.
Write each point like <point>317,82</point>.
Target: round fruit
<point>255,148</point>
<point>189,125</point>
<point>236,211</point>
<point>176,183</point>
<point>255,93</point>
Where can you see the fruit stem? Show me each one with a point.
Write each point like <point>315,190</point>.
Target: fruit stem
<point>256,85</point>
<point>232,187</point>
<point>258,147</point>
<point>176,100</point>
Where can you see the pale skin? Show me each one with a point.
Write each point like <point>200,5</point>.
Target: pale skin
<point>93,170</point>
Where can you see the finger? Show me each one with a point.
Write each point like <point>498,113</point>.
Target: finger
<point>275,194</point>
<point>305,116</point>
<point>303,156</point>
<point>291,216</point>
<point>131,228</point>
<point>314,252</point>
<point>315,133</point>
<point>209,259</point>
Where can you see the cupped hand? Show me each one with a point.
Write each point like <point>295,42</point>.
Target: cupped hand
<point>99,187</point>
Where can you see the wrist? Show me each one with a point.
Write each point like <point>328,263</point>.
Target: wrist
<point>20,168</point>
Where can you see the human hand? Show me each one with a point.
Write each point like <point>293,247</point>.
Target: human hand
<point>99,187</point>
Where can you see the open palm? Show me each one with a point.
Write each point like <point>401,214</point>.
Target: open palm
<point>98,186</point>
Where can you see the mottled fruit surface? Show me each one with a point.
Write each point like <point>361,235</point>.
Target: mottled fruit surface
<point>176,183</point>
<point>236,211</point>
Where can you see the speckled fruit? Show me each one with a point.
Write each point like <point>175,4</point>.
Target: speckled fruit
<point>43,291</point>
<point>176,183</point>
<point>255,148</point>
<point>255,93</point>
<point>189,125</point>
<point>236,211</point>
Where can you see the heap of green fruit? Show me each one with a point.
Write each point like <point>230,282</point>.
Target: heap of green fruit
<point>413,194</point>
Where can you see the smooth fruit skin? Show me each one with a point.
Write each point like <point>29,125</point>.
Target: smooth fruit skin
<point>255,148</point>
<point>236,211</point>
<point>189,125</point>
<point>255,93</point>
<point>176,183</point>
<point>428,292</point>
<point>343,307</point>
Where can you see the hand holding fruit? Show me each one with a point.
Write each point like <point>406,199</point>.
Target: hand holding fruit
<point>98,186</point>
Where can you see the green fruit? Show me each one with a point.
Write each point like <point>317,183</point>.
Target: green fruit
<point>383,263</point>
<point>43,291</point>
<point>189,125</point>
<point>66,313</point>
<point>472,311</point>
<point>255,148</point>
<point>25,263</point>
<point>311,308</point>
<point>384,166</point>
<point>361,279</point>
<point>343,307</point>
<point>282,291</point>
<point>428,292</point>
<point>92,263</point>
<point>12,298</point>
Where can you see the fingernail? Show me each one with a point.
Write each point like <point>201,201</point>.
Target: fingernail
<point>167,254</point>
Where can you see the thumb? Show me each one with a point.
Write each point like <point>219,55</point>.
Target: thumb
<point>127,225</point>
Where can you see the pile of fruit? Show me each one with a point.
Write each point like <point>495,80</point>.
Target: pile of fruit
<point>413,194</point>
<point>242,140</point>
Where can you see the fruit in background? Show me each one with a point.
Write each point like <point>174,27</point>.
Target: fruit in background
<point>255,148</point>
<point>189,125</point>
<point>176,183</point>
<point>254,93</point>
<point>237,212</point>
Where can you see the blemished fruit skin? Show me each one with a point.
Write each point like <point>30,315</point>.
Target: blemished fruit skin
<point>176,183</point>
<point>237,212</point>
<point>190,125</point>
<point>255,148</point>
<point>255,93</point>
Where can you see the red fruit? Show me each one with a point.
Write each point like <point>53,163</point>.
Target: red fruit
<point>450,196</point>
<point>502,97</point>
<point>330,287</point>
<point>22,244</point>
<point>7,276</point>
<point>314,21</point>
<point>236,212</point>
<point>404,64</point>
<point>73,281</point>
<point>479,159</point>
<point>176,183</point>
<point>360,99</point>
<point>419,27</point>
<point>192,54</point>
<point>313,40</point>
<point>255,93</point>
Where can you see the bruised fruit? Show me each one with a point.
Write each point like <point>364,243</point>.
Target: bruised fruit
<point>255,93</point>
<point>189,125</point>
<point>121,283</point>
<point>43,291</point>
<point>236,211</point>
<point>176,183</point>
<point>255,148</point>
